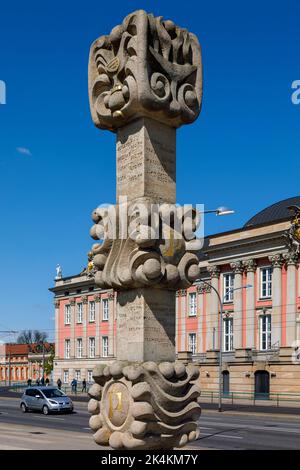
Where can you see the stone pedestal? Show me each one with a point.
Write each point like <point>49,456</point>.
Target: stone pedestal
<point>146,325</point>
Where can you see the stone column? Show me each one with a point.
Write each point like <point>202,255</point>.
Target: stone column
<point>277,263</point>
<point>213,317</point>
<point>250,268</point>
<point>85,306</point>
<point>72,327</point>
<point>291,298</point>
<point>145,80</point>
<point>57,339</point>
<point>238,269</point>
<point>97,299</point>
<point>200,308</point>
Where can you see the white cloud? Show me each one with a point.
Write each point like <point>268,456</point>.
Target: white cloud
<point>24,151</point>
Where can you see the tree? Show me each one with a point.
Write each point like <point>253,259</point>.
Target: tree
<point>32,337</point>
<point>49,361</point>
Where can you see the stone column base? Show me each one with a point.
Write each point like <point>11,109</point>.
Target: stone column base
<point>144,405</point>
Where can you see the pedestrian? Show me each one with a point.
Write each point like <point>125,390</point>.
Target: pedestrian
<point>47,381</point>
<point>83,385</point>
<point>74,385</point>
<point>29,382</point>
<point>42,381</point>
<point>38,382</point>
<point>59,384</point>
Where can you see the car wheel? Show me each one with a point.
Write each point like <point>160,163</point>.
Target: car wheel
<point>24,408</point>
<point>45,410</point>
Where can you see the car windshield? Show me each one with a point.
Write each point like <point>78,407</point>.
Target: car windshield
<point>53,392</point>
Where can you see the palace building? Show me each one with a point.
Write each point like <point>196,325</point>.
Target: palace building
<point>255,271</point>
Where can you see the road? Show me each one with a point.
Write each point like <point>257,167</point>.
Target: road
<point>229,430</point>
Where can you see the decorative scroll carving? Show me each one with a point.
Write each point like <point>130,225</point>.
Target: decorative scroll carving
<point>72,302</point>
<point>145,67</point>
<point>144,406</point>
<point>97,297</point>
<point>56,303</point>
<point>141,260</point>
<point>181,293</point>
<point>84,299</point>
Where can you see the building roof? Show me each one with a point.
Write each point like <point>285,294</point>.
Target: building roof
<point>274,213</point>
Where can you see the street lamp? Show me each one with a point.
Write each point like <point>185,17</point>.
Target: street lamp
<point>221,302</point>
<point>219,211</point>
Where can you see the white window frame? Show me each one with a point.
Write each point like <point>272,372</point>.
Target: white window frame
<point>90,376</point>
<point>192,343</point>
<point>92,311</point>
<point>265,332</point>
<point>104,346</point>
<point>78,375</point>
<point>79,348</point>
<point>105,309</point>
<point>67,314</point>
<point>92,347</point>
<point>79,312</point>
<point>267,283</point>
<point>192,304</point>
<point>228,334</point>
<point>66,376</point>
<point>67,348</point>
<point>228,286</point>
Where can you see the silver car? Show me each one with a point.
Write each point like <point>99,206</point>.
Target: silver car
<point>45,399</point>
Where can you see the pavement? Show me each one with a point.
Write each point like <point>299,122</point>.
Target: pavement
<point>229,430</point>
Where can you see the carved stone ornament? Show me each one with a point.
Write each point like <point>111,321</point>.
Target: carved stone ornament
<point>144,406</point>
<point>293,234</point>
<point>237,267</point>
<point>203,288</point>
<point>140,260</point>
<point>276,260</point>
<point>214,271</point>
<point>146,66</point>
<point>250,265</point>
<point>72,302</point>
<point>56,303</point>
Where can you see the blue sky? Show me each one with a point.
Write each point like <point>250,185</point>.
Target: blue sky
<point>242,152</point>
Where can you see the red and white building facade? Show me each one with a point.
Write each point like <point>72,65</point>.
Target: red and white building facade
<point>261,323</point>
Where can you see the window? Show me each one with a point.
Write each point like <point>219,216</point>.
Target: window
<point>66,377</point>
<point>79,312</point>
<point>90,376</point>
<point>192,304</point>
<point>104,346</point>
<point>67,314</point>
<point>79,347</point>
<point>228,334</point>
<point>77,374</point>
<point>92,311</point>
<point>192,343</point>
<point>228,284</point>
<point>105,309</point>
<point>265,332</point>
<point>91,347</point>
<point>67,348</point>
<point>265,282</point>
